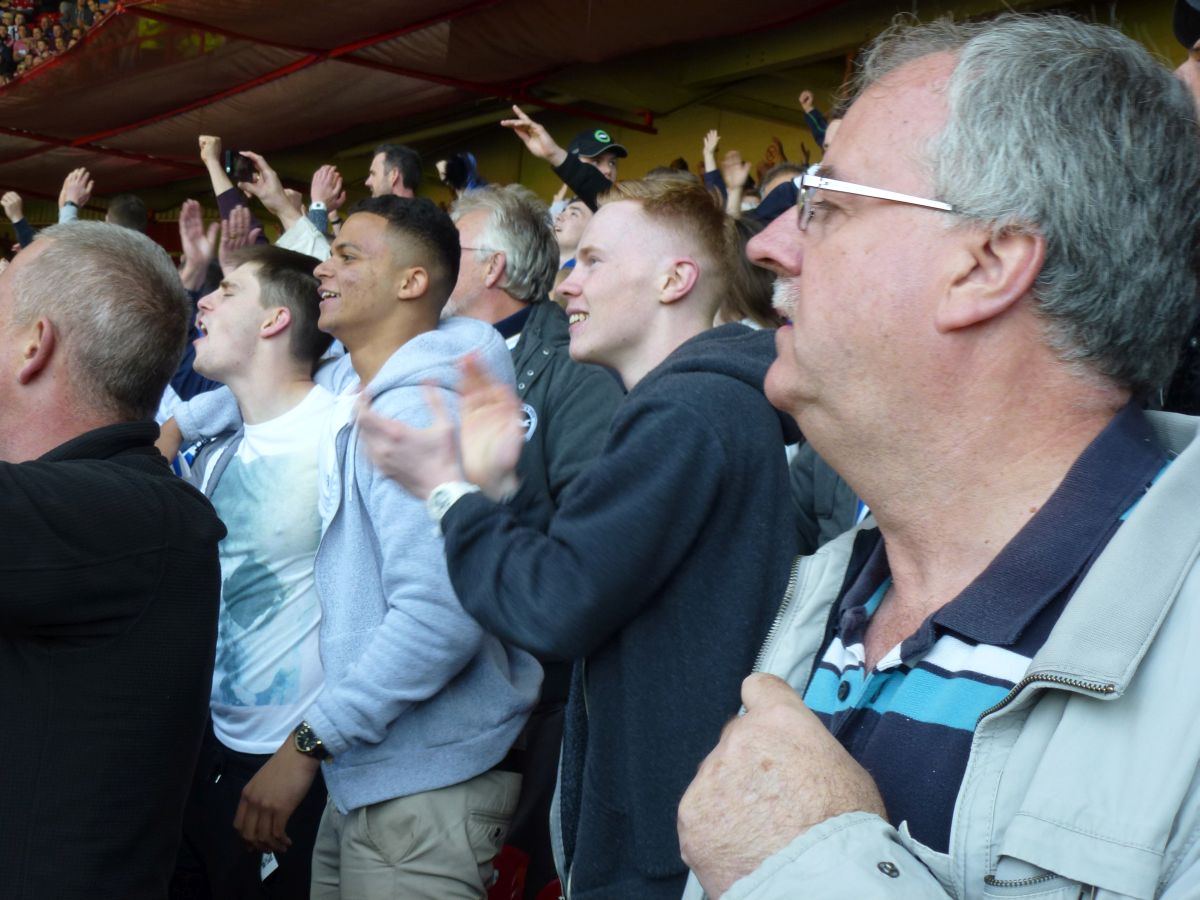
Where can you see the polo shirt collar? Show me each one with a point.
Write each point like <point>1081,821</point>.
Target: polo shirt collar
<point>1053,550</point>
<point>1058,544</point>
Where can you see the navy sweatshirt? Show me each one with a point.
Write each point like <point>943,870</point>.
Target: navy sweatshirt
<point>662,569</point>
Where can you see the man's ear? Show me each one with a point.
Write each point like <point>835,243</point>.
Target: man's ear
<point>495,269</point>
<point>277,320</point>
<point>996,271</point>
<point>38,349</point>
<point>412,283</point>
<point>678,279</point>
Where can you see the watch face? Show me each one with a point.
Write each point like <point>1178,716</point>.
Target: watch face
<point>306,740</point>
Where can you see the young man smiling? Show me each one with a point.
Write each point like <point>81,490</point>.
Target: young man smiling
<point>665,559</point>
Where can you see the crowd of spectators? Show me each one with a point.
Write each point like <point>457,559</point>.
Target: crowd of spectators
<point>773,530</point>
<point>34,33</point>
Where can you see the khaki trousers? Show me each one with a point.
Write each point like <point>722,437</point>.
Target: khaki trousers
<point>436,845</point>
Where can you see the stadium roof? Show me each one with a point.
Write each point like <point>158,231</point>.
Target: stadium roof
<point>130,99</point>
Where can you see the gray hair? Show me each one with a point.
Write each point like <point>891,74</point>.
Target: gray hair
<point>1074,132</point>
<point>118,307</point>
<point>518,225</point>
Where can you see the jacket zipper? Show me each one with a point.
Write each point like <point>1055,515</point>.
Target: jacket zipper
<point>993,881</point>
<point>1095,687</point>
<point>773,631</point>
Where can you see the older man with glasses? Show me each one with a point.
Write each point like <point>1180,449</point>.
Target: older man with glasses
<point>973,693</point>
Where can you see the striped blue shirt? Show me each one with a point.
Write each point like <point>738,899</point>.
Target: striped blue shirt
<point>910,721</point>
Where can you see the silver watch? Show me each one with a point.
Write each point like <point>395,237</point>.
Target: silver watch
<point>445,495</point>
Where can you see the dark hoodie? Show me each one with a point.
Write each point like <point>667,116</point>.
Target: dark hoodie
<point>662,569</point>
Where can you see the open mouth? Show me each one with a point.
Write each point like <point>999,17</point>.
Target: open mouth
<point>201,327</point>
<point>329,295</point>
<point>577,317</point>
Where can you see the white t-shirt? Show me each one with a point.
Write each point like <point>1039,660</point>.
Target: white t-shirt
<point>268,665</point>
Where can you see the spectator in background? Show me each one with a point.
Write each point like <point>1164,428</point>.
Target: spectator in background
<point>751,287</point>
<point>589,164</point>
<point>128,211</point>
<point>568,228</point>
<point>813,119</point>
<point>396,170</point>
<point>460,173</point>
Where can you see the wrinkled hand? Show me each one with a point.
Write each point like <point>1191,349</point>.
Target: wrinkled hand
<point>806,101</point>
<point>327,187</point>
<point>76,188</point>
<point>236,233</point>
<point>210,149</point>
<point>13,207</point>
<point>776,772</point>
<point>536,138</point>
<point>271,796</point>
<point>199,245</point>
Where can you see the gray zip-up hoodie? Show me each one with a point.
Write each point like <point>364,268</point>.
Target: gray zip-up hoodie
<point>416,695</point>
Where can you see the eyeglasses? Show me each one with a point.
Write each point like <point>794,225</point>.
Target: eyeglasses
<point>479,249</point>
<point>808,185</point>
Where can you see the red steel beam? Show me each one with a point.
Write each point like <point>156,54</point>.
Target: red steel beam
<point>63,142</point>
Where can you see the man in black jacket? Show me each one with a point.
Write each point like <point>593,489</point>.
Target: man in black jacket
<point>108,572</point>
<point>666,560</point>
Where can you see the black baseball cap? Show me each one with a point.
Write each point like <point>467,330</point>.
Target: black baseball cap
<point>593,143</point>
<point>1187,22</point>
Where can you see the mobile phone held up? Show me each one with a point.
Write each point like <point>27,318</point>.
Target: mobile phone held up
<point>238,167</point>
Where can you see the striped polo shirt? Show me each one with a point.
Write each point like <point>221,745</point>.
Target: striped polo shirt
<point>909,722</point>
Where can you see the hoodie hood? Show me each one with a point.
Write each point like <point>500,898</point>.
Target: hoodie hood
<point>735,351</point>
<point>433,356</point>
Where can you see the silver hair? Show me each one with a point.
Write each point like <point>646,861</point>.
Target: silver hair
<point>518,225</point>
<point>118,308</point>
<point>1074,132</point>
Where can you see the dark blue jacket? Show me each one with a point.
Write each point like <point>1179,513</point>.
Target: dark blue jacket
<point>662,569</point>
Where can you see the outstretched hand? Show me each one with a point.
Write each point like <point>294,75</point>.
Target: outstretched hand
<point>199,245</point>
<point>236,233</point>
<point>536,138</point>
<point>76,188</point>
<point>13,206</point>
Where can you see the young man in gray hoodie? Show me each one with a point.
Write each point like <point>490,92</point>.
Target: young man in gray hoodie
<point>420,708</point>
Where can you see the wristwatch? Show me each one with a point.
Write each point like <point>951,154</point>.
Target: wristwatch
<point>309,744</point>
<point>445,495</point>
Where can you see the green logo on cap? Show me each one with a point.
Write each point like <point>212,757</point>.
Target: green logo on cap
<point>602,136</point>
